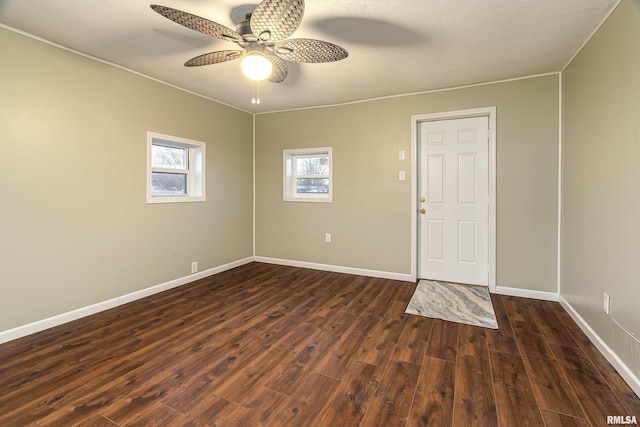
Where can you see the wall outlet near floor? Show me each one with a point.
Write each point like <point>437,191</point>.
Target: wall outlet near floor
<point>327,237</point>
<point>606,303</point>
<point>194,267</point>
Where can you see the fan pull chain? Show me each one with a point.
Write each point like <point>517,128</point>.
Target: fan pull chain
<point>256,92</point>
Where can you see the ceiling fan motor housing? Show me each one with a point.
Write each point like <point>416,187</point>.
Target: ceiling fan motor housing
<point>244,30</point>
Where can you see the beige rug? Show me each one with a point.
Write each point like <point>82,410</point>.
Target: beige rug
<point>470,305</point>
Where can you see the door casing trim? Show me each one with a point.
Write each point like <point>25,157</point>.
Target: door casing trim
<point>489,112</point>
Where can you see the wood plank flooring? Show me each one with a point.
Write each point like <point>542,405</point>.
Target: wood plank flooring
<point>266,345</point>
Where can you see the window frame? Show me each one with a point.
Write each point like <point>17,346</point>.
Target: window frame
<point>289,190</point>
<point>195,171</point>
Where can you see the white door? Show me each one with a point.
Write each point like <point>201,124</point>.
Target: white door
<point>454,200</point>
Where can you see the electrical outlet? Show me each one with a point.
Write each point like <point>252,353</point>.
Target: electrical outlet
<point>402,155</point>
<point>194,267</point>
<point>327,237</point>
<point>606,303</point>
<point>401,176</point>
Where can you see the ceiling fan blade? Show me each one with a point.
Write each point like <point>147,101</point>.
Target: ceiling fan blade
<point>309,50</point>
<point>275,20</point>
<point>214,58</point>
<point>198,23</point>
<point>279,72</point>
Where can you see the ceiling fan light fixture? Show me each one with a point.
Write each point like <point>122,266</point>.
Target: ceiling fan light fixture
<point>256,66</point>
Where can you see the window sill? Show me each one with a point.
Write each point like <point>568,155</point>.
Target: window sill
<point>177,199</point>
<point>308,200</point>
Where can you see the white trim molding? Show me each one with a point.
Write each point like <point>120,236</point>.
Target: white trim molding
<point>41,325</point>
<point>489,112</point>
<point>337,269</point>
<point>402,95</point>
<point>526,293</point>
<point>559,231</point>
<point>602,346</point>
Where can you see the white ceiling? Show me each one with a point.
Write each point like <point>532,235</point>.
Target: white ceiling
<point>395,46</point>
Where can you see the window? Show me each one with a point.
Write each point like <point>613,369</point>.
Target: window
<point>307,175</point>
<point>175,169</point>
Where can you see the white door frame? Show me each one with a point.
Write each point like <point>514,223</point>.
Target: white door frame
<point>489,112</point>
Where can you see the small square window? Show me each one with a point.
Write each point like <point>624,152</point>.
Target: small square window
<point>307,175</point>
<point>175,169</point>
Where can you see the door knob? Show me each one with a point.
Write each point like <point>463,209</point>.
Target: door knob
<point>422,210</point>
<point>422,199</point>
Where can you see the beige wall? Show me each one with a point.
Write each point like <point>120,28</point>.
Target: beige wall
<point>601,182</point>
<point>370,218</point>
<point>75,228</point>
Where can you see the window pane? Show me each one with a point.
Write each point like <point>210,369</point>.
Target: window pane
<point>312,185</point>
<point>168,184</point>
<point>317,165</point>
<point>169,157</point>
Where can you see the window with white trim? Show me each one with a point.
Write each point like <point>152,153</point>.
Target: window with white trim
<point>175,169</point>
<point>308,175</point>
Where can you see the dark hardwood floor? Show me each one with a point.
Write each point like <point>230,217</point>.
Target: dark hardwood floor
<point>281,346</point>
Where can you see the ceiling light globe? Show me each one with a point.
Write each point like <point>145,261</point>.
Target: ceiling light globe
<point>256,66</point>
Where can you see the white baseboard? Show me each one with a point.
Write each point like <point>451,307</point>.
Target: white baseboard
<point>337,269</point>
<point>59,319</point>
<point>609,354</point>
<point>526,293</point>
<point>182,281</point>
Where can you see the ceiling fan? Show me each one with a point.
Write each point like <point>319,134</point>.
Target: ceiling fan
<point>262,37</point>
